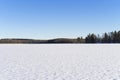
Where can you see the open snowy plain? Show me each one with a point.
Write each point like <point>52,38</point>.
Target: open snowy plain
<point>59,62</point>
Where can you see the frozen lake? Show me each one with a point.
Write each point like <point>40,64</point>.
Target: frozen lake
<point>59,62</point>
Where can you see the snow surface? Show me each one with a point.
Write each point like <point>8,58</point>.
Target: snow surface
<point>59,62</point>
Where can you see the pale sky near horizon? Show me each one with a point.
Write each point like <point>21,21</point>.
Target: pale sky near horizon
<point>46,19</point>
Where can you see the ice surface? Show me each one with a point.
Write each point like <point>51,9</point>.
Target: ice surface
<point>59,62</point>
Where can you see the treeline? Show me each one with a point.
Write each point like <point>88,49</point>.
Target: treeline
<point>110,37</point>
<point>33,41</point>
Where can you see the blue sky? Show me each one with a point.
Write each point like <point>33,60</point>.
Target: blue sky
<point>46,19</point>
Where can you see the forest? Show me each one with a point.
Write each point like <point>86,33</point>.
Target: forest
<point>110,37</point>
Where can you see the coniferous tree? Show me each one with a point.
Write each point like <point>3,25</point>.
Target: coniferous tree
<point>105,38</point>
<point>87,39</point>
<point>118,36</point>
<point>98,39</point>
<point>91,38</point>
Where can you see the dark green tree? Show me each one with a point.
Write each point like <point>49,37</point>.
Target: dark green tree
<point>91,38</point>
<point>105,38</point>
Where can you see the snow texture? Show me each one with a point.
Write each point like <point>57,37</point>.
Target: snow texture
<point>59,62</point>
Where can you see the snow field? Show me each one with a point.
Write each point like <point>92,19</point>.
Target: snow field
<point>59,62</point>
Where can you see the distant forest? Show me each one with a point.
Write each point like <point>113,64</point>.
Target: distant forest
<point>110,37</point>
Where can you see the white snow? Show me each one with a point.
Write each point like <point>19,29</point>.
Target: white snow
<point>59,62</point>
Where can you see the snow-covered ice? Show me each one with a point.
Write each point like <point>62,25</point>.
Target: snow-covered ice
<point>59,62</point>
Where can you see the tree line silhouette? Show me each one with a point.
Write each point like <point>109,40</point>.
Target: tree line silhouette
<point>110,37</point>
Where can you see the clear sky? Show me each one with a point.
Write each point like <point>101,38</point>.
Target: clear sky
<point>44,19</point>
